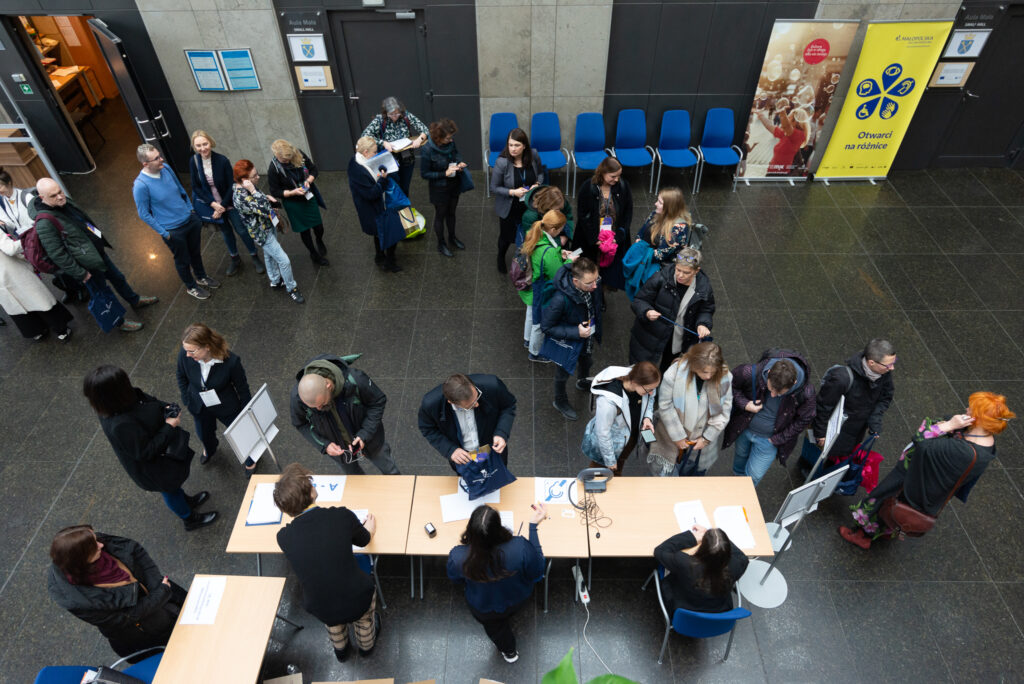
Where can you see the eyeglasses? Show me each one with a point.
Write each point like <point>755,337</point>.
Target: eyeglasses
<point>890,366</point>
<point>581,283</point>
<point>158,157</point>
<point>687,259</point>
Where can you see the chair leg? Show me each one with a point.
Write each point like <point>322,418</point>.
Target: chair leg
<point>376,580</point>
<point>695,168</point>
<point>648,580</point>
<point>567,180</point>
<point>650,185</point>
<point>664,643</point>
<point>657,184</point>
<point>728,646</point>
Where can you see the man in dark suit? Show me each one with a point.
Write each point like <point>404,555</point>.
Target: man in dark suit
<point>465,413</point>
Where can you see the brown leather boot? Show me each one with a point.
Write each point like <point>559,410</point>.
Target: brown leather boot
<point>855,537</point>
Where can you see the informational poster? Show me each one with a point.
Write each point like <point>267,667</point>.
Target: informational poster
<point>307,48</point>
<point>896,62</point>
<point>239,69</point>
<point>206,69</point>
<point>951,74</point>
<point>799,78</point>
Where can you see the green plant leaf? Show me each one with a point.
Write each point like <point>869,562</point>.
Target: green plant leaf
<point>611,679</point>
<point>564,672</point>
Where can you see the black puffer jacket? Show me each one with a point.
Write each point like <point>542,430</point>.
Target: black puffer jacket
<point>663,294</point>
<point>133,617</point>
<point>866,403</point>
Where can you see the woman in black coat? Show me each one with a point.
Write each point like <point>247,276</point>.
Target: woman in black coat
<point>657,305</point>
<point>112,583</point>
<point>368,187</point>
<point>442,167</point>
<point>605,200</point>
<point>517,171</point>
<point>205,365</point>
<point>147,440</point>
<point>702,582</point>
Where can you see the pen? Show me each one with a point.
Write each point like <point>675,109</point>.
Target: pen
<point>520,529</point>
<point>745,517</point>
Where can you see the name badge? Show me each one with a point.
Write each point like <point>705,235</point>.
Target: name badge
<point>606,222</point>
<point>309,195</point>
<point>210,398</point>
<point>94,230</point>
<point>273,218</point>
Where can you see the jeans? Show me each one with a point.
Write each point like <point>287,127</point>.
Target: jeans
<point>177,502</point>
<point>532,332</point>
<point>753,456</point>
<point>98,281</point>
<point>380,458</point>
<point>279,266</point>
<point>498,627</point>
<point>185,243</point>
<point>562,375</point>
<point>232,219</point>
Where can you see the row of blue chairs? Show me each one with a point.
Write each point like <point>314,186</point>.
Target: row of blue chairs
<point>630,149</point>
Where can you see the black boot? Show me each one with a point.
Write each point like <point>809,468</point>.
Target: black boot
<point>443,249</point>
<point>456,242</point>
<point>565,408</point>
<point>197,520</point>
<point>233,265</point>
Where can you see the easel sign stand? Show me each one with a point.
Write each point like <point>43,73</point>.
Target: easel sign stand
<point>771,590</point>
<point>251,433</point>
<point>835,423</point>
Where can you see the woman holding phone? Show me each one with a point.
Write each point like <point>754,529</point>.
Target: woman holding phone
<point>623,409</point>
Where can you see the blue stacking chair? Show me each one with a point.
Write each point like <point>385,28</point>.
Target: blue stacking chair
<point>502,124</point>
<point>716,147</point>
<point>588,148</point>
<point>674,150</point>
<point>631,148</point>
<point>368,563</point>
<point>546,140</point>
<point>144,670</point>
<point>697,625</point>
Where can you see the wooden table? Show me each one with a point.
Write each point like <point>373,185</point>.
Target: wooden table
<point>230,650</point>
<point>388,497</point>
<point>560,536</point>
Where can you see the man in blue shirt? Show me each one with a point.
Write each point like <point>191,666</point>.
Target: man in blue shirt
<point>163,204</point>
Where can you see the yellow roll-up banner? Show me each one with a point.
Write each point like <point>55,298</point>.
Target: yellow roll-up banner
<point>896,61</point>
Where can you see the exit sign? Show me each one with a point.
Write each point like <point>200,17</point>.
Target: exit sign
<point>26,88</point>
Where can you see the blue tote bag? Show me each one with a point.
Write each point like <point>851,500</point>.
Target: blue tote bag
<point>484,474</point>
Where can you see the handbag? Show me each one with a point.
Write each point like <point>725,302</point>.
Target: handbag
<point>484,474</point>
<point>906,520</point>
<point>104,306</point>
<point>465,181</point>
<point>413,222</point>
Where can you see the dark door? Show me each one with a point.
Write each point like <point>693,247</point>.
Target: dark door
<point>989,122</point>
<point>151,125</point>
<point>382,53</point>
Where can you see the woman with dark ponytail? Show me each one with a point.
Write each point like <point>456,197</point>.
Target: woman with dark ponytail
<point>498,571</point>
<point>702,582</point>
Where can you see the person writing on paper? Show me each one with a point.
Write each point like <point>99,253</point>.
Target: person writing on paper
<point>497,571</point>
<point>318,545</point>
<point>704,581</point>
<point>466,414</point>
<point>944,459</point>
<point>213,386</point>
<point>112,583</point>
<point>679,293</point>
<point>148,440</point>
<point>340,411</point>
<point>624,407</point>
<point>394,123</point>
<point>368,186</point>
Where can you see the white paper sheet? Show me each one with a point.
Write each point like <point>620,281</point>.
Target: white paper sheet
<point>400,144</point>
<point>457,506</point>
<point>554,490</point>
<point>733,520</point>
<point>383,159</point>
<point>690,513</point>
<point>329,487</point>
<point>361,513</point>
<point>263,510</point>
<point>508,520</point>
<point>203,601</point>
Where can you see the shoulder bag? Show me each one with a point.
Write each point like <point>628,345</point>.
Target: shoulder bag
<point>910,522</point>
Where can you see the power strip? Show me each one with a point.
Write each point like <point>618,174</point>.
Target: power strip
<point>581,588</point>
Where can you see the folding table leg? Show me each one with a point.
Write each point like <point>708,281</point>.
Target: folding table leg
<point>259,567</point>
<point>547,574</point>
<point>412,577</point>
<point>421,578</point>
<point>284,619</point>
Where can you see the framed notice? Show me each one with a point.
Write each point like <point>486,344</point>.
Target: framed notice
<point>314,77</point>
<point>308,47</point>
<point>239,69</point>
<point>966,43</point>
<point>951,74</point>
<point>206,70</point>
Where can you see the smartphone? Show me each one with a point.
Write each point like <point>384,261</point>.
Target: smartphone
<point>648,436</point>
<point>576,253</point>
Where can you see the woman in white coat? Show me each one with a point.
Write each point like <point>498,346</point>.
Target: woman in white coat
<point>624,406</point>
<point>25,298</point>
<point>693,409</point>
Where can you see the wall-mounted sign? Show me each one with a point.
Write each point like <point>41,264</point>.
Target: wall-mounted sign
<point>951,74</point>
<point>314,77</point>
<point>239,69</point>
<point>302,22</point>
<point>307,47</point>
<point>206,69</point>
<point>966,43</point>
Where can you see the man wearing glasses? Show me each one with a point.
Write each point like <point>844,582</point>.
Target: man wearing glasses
<point>467,415</point>
<point>572,323</point>
<point>866,382</point>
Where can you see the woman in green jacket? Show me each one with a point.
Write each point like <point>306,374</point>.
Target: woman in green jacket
<point>544,250</point>
<point>540,201</point>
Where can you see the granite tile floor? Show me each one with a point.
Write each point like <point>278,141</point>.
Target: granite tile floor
<point>932,260</point>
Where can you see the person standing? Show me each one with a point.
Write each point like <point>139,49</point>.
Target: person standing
<point>340,411</point>
<point>23,295</point>
<point>213,386</point>
<point>540,201</point>
<point>442,167</point>
<point>212,181</point>
<point>465,413</point>
<point>163,204</point>
<point>393,123</point>
<point>148,441</point>
<point>77,247</point>
<point>667,228</point>
<point>605,203</point>
<point>497,572</point>
<point>624,406</point>
<point>517,171</point>
<point>292,178</point>
<point>318,545</point>
<point>369,187</point>
<point>543,247</point>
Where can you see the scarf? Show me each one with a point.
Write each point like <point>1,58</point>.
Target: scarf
<point>678,332</point>
<point>588,299</point>
<point>872,375</point>
<point>104,571</point>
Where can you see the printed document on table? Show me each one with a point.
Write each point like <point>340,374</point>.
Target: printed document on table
<point>203,601</point>
<point>262,509</point>
<point>508,520</point>
<point>457,506</point>
<point>554,490</point>
<point>329,487</point>
<point>733,520</point>
<point>690,513</point>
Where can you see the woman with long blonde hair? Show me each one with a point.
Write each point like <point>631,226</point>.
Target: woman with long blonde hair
<point>543,249</point>
<point>667,228</point>
<point>291,176</point>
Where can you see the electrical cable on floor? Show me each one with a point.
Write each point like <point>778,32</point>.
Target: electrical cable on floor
<point>587,621</point>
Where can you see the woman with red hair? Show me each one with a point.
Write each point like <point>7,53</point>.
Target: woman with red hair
<point>945,459</point>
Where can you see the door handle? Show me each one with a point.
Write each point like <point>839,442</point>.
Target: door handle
<point>971,95</point>
<point>166,132</point>
<point>142,129</point>
<point>352,96</point>
<point>430,95</point>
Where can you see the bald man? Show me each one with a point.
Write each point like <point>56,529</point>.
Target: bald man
<point>78,247</point>
<point>340,411</point>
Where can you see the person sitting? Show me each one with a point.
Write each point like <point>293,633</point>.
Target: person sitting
<point>704,581</point>
<point>318,545</point>
<point>467,413</point>
<point>624,406</point>
<point>112,583</point>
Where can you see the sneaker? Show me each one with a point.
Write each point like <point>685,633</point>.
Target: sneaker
<point>276,286</point>
<point>297,296</point>
<point>41,336</point>
<point>65,336</point>
<point>197,500</point>
<point>131,326</point>
<point>583,385</point>
<point>197,520</point>
<point>536,358</point>
<point>257,264</point>
<point>208,282</point>
<point>146,301</point>
<point>198,292</point>
<point>234,264</point>
<point>526,344</point>
<point>565,409</point>
<point>511,657</point>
